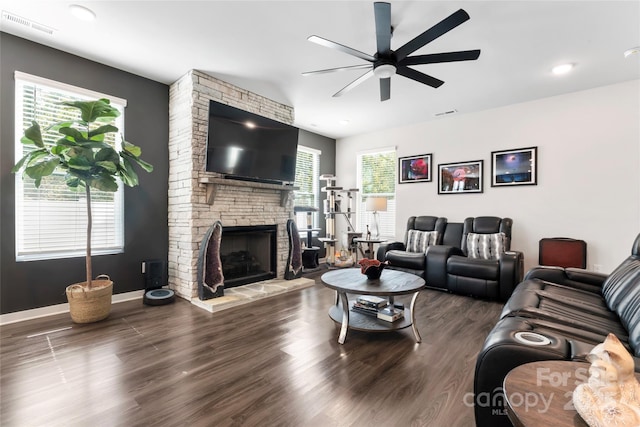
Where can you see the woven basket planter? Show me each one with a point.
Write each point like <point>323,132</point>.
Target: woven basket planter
<point>90,305</point>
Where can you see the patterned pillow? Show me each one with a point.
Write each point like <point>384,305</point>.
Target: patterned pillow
<point>418,241</point>
<point>485,246</point>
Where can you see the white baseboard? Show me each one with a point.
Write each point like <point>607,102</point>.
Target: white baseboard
<point>35,313</point>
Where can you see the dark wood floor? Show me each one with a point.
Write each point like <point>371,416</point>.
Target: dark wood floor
<point>275,362</point>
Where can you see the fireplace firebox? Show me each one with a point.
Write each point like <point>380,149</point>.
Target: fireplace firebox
<point>248,254</point>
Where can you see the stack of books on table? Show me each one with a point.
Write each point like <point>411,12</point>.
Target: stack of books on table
<point>377,307</point>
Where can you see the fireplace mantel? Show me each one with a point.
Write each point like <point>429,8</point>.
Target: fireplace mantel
<point>212,184</point>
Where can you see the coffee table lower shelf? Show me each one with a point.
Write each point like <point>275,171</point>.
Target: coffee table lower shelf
<point>368,323</point>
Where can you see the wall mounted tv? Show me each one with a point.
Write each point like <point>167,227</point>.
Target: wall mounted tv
<point>243,145</point>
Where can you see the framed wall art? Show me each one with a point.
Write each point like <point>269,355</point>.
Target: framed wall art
<point>415,168</point>
<point>460,177</point>
<point>514,167</point>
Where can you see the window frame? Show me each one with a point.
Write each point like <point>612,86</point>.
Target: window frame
<point>115,221</point>
<point>387,219</point>
<point>301,217</point>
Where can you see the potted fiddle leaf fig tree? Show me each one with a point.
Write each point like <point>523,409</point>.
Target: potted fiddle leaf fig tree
<point>88,161</point>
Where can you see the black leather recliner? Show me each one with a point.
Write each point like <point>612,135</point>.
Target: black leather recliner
<point>404,255</point>
<point>573,309</point>
<point>482,264</point>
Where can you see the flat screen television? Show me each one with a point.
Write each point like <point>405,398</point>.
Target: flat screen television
<point>243,145</point>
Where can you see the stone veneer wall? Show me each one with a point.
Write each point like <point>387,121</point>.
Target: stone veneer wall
<point>190,216</point>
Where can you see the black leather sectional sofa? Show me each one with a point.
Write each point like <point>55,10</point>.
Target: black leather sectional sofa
<point>470,258</point>
<point>571,310</point>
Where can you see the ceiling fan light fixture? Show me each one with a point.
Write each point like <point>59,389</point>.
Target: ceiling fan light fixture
<point>384,71</point>
<point>82,13</point>
<point>562,69</point>
<point>632,51</point>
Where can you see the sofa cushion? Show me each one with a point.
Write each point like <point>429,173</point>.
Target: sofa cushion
<point>419,241</point>
<point>402,259</point>
<point>484,269</point>
<point>485,246</point>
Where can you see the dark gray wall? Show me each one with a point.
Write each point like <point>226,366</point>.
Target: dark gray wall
<point>27,285</point>
<point>327,161</point>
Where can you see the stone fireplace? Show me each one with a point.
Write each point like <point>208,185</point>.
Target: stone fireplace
<point>198,198</point>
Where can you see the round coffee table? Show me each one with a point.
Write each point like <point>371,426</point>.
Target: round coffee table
<point>390,284</point>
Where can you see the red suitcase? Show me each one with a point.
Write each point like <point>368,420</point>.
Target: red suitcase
<point>563,252</point>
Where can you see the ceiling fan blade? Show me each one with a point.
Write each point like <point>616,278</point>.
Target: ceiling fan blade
<point>341,48</point>
<point>382,12</point>
<point>433,58</point>
<point>419,77</point>
<point>331,70</point>
<point>432,33</point>
<point>385,89</point>
<point>354,83</point>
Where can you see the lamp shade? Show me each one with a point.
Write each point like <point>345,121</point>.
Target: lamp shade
<point>376,204</point>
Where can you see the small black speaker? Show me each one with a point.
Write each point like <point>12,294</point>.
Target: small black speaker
<point>155,277</point>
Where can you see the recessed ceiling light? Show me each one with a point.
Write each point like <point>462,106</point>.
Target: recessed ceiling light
<point>632,51</point>
<point>562,69</point>
<point>344,122</point>
<point>82,12</point>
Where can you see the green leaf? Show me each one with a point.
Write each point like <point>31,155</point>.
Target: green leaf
<point>94,110</point>
<point>79,162</point>
<point>72,181</point>
<point>105,183</point>
<point>107,154</point>
<point>40,169</point>
<point>95,145</point>
<point>33,135</point>
<point>134,150</point>
<point>144,165</point>
<point>109,166</point>
<point>102,130</point>
<point>66,142</point>
<point>128,175</point>
<point>74,134</point>
<point>29,158</point>
<point>58,150</point>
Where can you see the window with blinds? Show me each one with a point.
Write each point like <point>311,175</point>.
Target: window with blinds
<point>51,221</point>
<point>307,173</point>
<point>377,178</point>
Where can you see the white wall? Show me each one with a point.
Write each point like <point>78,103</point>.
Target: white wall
<point>588,169</point>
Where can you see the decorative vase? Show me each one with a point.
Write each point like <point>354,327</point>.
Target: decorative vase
<point>90,305</point>
<point>372,268</point>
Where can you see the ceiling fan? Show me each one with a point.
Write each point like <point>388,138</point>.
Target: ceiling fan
<point>387,62</point>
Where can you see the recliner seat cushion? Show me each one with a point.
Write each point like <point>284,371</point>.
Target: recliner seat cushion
<point>412,260</point>
<point>473,267</point>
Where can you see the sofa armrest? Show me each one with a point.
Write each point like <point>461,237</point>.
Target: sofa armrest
<point>574,277</point>
<point>511,272</point>
<point>436,264</point>
<point>386,247</point>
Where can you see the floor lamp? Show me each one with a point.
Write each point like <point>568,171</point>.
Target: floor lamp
<point>375,205</point>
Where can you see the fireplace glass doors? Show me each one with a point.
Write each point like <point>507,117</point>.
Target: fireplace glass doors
<point>248,254</point>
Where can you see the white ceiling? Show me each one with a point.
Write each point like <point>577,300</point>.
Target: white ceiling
<point>262,46</point>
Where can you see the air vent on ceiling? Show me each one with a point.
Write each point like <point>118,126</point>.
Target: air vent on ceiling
<point>446,113</point>
<point>8,16</point>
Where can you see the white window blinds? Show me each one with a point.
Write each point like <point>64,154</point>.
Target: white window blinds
<point>377,178</point>
<point>51,220</point>
<point>307,173</point>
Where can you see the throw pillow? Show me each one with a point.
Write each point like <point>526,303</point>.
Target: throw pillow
<point>485,246</point>
<point>418,241</point>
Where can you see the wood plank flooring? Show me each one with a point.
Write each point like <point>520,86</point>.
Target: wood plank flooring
<point>272,363</point>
